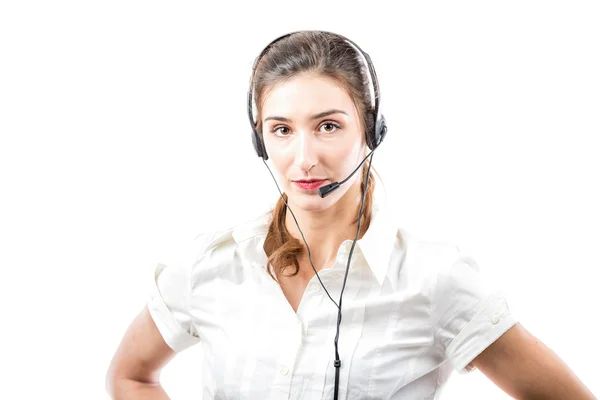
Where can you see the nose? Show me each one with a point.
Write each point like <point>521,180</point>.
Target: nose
<point>306,155</point>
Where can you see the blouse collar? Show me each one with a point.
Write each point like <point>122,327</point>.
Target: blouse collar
<point>377,244</point>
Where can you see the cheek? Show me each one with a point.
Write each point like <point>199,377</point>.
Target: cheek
<point>278,150</point>
<point>280,162</point>
<point>345,159</point>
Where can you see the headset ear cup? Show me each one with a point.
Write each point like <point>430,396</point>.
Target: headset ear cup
<point>381,129</point>
<point>370,128</point>
<point>259,145</point>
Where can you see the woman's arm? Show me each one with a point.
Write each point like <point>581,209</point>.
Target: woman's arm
<point>134,371</point>
<point>126,389</point>
<point>525,368</point>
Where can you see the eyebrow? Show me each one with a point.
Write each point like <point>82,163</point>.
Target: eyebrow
<point>316,116</point>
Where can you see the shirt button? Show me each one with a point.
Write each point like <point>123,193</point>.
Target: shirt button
<point>314,288</point>
<point>495,319</point>
<point>348,246</point>
<point>284,371</point>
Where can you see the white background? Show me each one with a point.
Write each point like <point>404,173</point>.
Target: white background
<point>124,133</point>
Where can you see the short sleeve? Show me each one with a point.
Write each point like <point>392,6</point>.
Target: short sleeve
<point>469,311</point>
<point>169,297</point>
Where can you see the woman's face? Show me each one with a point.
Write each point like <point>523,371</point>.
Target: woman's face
<point>311,131</point>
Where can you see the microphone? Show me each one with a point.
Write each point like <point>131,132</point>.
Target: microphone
<point>327,189</point>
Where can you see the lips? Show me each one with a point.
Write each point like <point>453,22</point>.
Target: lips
<point>309,180</point>
<point>311,184</point>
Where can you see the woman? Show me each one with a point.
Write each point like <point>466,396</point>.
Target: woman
<point>348,306</point>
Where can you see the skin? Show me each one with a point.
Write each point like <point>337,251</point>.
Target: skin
<point>329,147</point>
<point>517,362</point>
<point>304,148</point>
<point>134,371</point>
<point>525,368</point>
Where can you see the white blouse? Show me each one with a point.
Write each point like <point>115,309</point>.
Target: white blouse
<point>412,312</point>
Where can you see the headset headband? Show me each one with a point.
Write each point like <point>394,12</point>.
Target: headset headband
<point>373,138</point>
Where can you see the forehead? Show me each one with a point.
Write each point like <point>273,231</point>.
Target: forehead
<point>304,95</point>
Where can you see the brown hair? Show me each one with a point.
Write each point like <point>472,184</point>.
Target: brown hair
<point>329,55</point>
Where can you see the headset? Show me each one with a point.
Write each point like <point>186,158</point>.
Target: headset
<point>374,138</point>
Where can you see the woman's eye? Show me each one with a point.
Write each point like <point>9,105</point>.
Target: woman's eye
<point>277,129</point>
<point>331,126</point>
<point>281,130</point>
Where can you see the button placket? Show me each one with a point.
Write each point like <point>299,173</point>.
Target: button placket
<point>291,353</point>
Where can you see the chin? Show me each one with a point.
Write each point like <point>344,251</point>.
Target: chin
<point>308,200</point>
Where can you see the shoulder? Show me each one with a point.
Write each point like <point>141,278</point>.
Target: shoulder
<point>207,240</point>
<point>430,256</point>
<point>451,275</point>
<point>441,268</point>
<point>216,237</point>
<point>216,247</point>
<point>206,255</point>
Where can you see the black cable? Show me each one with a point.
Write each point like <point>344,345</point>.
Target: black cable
<point>337,363</point>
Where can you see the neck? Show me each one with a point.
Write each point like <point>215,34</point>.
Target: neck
<point>326,230</point>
